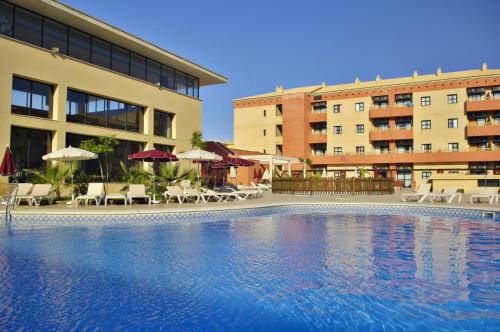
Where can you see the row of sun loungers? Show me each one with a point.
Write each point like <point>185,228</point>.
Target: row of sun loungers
<point>449,194</point>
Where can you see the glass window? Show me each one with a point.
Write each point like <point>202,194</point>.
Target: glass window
<point>79,45</point>
<point>360,150</point>
<point>163,124</point>
<point>452,99</point>
<point>360,128</point>
<point>337,108</point>
<point>154,72</point>
<point>167,77</point>
<point>41,99</point>
<point>120,60</point>
<point>337,130</point>
<point>425,101</point>
<point>31,98</point>
<point>164,148</point>
<point>426,124</point>
<point>426,147</point>
<point>452,123</point>
<point>452,147</point>
<point>96,111</point>
<point>337,150</point>
<point>426,175</point>
<point>134,114</point>
<point>28,27</point>
<point>264,113</point>
<point>117,115</point>
<point>180,82</point>
<point>28,146</point>
<point>6,18</point>
<point>197,88</point>
<point>75,106</point>
<point>101,53</point>
<point>55,35</point>
<point>190,86</point>
<point>264,132</point>
<point>137,66</point>
<point>21,96</point>
<point>360,107</point>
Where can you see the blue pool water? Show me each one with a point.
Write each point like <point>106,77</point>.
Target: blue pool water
<point>288,272</point>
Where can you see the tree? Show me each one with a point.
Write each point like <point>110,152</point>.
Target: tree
<point>197,140</point>
<point>103,147</point>
<point>54,174</point>
<point>136,175</point>
<point>172,173</point>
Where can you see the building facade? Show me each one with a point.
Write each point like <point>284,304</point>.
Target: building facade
<point>66,76</point>
<point>409,128</point>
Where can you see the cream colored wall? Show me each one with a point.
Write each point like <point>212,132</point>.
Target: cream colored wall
<point>249,124</point>
<point>348,118</point>
<point>418,169</point>
<point>439,112</point>
<point>468,183</point>
<point>62,72</point>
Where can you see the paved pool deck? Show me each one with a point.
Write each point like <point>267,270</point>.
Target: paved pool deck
<point>267,200</point>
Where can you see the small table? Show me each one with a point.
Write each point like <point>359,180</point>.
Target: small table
<point>115,197</point>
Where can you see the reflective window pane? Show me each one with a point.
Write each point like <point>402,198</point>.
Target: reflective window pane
<point>137,66</point>
<point>101,53</point>
<point>120,60</point>
<point>196,88</point>
<point>41,99</point>
<point>75,107</point>
<point>154,72</point>
<point>6,18</point>
<point>96,111</point>
<point>55,35</point>
<point>28,146</point>
<point>180,82</point>
<point>90,167</point>
<point>163,124</point>
<point>117,115</point>
<point>79,45</point>
<point>134,114</point>
<point>21,96</point>
<point>190,86</point>
<point>28,27</point>
<point>167,77</point>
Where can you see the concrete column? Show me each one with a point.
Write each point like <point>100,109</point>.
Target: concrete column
<point>5,124</point>
<point>148,125</point>
<point>59,114</point>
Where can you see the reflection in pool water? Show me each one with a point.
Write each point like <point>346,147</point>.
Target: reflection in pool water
<point>280,272</point>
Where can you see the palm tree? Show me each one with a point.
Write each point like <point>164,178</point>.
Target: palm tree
<point>136,175</point>
<point>197,140</point>
<point>54,174</point>
<point>172,173</point>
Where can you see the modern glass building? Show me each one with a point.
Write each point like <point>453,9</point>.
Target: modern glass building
<point>66,76</point>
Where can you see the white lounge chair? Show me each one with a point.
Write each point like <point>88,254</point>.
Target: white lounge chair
<point>423,191</point>
<point>265,187</point>
<point>95,192</point>
<point>193,194</point>
<point>137,191</point>
<point>220,196</point>
<point>23,193</point>
<point>491,194</point>
<point>448,194</point>
<point>174,192</point>
<point>41,192</point>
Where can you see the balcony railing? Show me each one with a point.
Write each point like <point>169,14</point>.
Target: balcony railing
<point>488,129</point>
<point>391,111</point>
<point>391,134</point>
<point>487,104</point>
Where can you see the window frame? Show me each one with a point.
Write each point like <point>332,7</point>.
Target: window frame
<point>425,127</point>
<point>337,108</point>
<point>425,101</point>
<point>453,98</point>
<point>359,106</point>
<point>360,128</point>
<point>337,130</point>
<point>30,110</point>
<point>454,122</point>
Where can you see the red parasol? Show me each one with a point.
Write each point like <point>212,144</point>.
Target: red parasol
<point>7,167</point>
<point>153,156</point>
<point>238,161</point>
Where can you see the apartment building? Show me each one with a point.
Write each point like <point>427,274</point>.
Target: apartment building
<point>66,76</point>
<point>408,128</point>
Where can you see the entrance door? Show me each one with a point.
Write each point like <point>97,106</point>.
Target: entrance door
<point>404,177</point>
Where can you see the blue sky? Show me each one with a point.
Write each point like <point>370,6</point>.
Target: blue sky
<point>260,44</point>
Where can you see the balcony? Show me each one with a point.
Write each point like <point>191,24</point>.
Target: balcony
<point>391,134</point>
<point>411,157</point>
<point>317,138</point>
<point>317,117</point>
<point>487,130</point>
<point>391,112</point>
<point>482,105</point>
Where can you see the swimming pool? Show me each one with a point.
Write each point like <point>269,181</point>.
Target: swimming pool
<point>284,271</point>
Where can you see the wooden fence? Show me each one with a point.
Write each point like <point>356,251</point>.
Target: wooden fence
<point>351,186</point>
